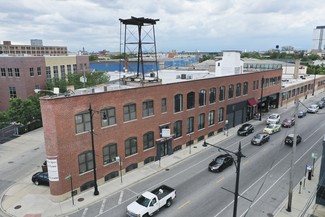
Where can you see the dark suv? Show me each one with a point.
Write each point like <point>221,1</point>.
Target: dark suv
<point>321,104</point>
<point>289,139</point>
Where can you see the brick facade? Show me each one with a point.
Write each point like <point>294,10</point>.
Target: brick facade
<point>64,144</point>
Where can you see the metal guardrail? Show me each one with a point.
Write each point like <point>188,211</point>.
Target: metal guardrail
<point>8,132</point>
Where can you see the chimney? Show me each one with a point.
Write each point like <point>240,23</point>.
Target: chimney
<point>296,70</point>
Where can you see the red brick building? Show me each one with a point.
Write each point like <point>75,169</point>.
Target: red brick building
<point>21,75</point>
<point>128,122</point>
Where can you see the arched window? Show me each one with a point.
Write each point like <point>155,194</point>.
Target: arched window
<point>202,97</point>
<point>231,91</point>
<point>178,103</point>
<point>131,146</point>
<point>212,95</point>
<point>85,161</point>
<point>178,129</point>
<point>190,100</point>
<point>245,90</point>
<point>238,89</point>
<point>222,93</point>
<point>148,140</point>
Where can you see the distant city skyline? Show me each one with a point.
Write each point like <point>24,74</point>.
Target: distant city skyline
<point>184,25</point>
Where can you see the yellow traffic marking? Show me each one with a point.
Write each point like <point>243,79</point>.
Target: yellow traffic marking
<point>184,205</point>
<point>219,180</point>
<point>245,162</point>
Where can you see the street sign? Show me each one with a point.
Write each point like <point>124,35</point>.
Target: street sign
<point>314,155</point>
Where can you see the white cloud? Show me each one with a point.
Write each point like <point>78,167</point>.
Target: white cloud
<point>205,25</point>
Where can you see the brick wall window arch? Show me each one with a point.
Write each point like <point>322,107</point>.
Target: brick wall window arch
<point>148,140</point>
<point>202,97</point>
<point>131,146</point>
<point>178,103</point>
<point>85,161</point>
<point>190,100</point>
<point>109,153</point>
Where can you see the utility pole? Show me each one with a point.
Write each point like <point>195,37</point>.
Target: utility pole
<point>96,192</point>
<point>262,86</point>
<point>293,156</point>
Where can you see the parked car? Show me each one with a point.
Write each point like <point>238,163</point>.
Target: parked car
<point>221,162</point>
<point>273,119</point>
<point>288,122</point>
<point>289,139</point>
<point>272,128</point>
<point>302,113</point>
<point>321,104</point>
<point>41,178</point>
<point>313,108</point>
<point>245,129</point>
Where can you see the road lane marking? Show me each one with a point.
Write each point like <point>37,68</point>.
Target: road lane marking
<point>219,180</point>
<point>265,175</point>
<point>184,205</point>
<point>121,197</point>
<point>102,206</point>
<point>84,212</point>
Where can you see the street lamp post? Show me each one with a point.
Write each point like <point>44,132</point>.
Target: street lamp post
<point>262,86</point>
<point>237,165</point>
<point>96,192</point>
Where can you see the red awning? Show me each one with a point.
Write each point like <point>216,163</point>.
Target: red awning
<point>252,102</point>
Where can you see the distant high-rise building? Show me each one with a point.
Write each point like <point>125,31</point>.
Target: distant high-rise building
<point>319,38</point>
<point>36,42</point>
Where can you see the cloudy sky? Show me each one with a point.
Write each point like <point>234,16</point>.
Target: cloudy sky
<point>184,25</point>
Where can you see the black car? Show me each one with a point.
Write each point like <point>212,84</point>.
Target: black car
<point>260,139</point>
<point>302,113</point>
<point>221,162</point>
<point>41,178</point>
<point>245,129</point>
<point>321,104</point>
<point>289,139</point>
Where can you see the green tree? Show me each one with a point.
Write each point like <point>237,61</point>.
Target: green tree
<point>4,119</point>
<point>24,111</point>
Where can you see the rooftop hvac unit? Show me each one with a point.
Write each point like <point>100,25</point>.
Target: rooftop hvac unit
<point>183,76</point>
<point>189,77</point>
<point>178,76</point>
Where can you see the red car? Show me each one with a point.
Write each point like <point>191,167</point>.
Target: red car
<point>288,122</point>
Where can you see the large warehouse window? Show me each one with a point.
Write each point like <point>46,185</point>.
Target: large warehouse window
<point>190,100</point>
<point>131,146</point>
<point>147,108</point>
<point>109,153</point>
<point>108,117</point>
<point>85,161</point>
<point>178,103</point>
<point>148,140</point>
<point>82,122</point>
<point>130,112</point>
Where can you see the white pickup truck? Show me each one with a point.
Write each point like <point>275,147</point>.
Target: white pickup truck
<point>150,202</point>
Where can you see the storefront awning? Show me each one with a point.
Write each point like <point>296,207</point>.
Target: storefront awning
<point>252,102</point>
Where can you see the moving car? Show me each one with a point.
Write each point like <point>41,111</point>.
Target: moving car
<point>151,202</point>
<point>302,113</point>
<point>272,128</point>
<point>288,122</point>
<point>260,139</point>
<point>245,129</point>
<point>289,139</point>
<point>41,178</point>
<point>221,162</point>
<point>273,119</point>
<point>313,108</point>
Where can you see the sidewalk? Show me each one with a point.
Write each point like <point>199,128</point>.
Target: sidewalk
<point>303,202</point>
<point>24,199</point>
